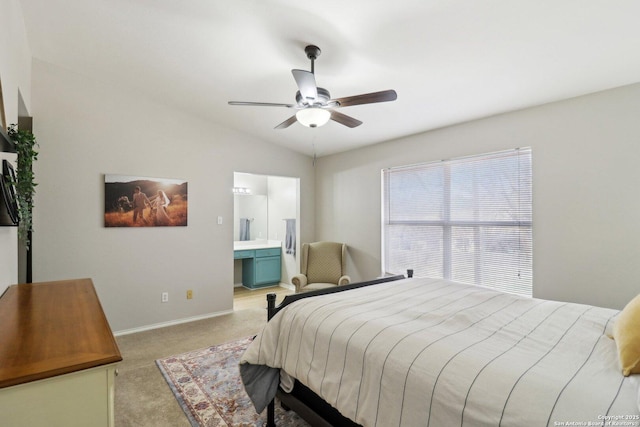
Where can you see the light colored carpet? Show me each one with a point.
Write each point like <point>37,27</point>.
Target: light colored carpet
<point>143,398</point>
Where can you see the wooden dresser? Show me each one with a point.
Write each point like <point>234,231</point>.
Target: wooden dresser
<point>58,356</point>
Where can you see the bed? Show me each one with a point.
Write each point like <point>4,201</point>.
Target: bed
<point>431,352</point>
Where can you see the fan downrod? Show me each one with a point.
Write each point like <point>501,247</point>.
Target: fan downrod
<point>312,53</point>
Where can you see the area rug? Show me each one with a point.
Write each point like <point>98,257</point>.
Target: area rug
<point>207,385</point>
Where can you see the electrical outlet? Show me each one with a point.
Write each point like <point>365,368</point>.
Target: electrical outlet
<point>165,297</point>
<point>189,294</point>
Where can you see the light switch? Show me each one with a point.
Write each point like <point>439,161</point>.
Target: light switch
<point>219,220</point>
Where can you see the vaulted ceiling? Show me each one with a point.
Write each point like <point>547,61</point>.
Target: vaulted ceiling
<point>449,61</point>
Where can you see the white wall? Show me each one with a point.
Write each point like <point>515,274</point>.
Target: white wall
<point>283,204</point>
<point>586,218</point>
<point>15,76</point>
<point>86,129</point>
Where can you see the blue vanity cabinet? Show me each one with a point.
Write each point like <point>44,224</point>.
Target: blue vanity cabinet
<point>260,267</point>
<point>267,267</point>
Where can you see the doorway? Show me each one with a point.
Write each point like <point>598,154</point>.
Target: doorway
<point>267,211</point>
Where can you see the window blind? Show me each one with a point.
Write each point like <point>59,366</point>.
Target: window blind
<point>467,219</point>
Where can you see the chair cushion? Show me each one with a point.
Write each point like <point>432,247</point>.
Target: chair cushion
<point>314,286</point>
<point>324,263</point>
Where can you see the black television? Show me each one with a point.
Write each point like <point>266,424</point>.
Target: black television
<point>8,204</point>
<point>6,145</point>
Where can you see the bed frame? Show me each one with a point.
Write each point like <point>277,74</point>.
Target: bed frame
<point>303,401</point>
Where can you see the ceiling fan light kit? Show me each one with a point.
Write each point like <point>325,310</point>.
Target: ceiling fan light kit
<point>313,117</point>
<point>314,104</point>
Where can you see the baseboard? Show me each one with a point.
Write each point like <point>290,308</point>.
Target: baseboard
<point>287,286</point>
<point>171,323</point>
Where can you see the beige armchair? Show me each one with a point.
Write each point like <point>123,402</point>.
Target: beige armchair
<point>323,266</point>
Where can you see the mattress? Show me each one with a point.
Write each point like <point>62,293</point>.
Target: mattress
<point>430,352</point>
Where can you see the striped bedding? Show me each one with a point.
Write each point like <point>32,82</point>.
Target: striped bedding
<point>429,352</point>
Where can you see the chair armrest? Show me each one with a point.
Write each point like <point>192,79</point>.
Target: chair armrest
<point>299,281</point>
<point>344,280</point>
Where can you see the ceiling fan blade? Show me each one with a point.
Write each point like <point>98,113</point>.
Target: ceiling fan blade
<point>291,120</point>
<point>343,119</point>
<point>368,98</point>
<point>306,82</point>
<point>260,104</point>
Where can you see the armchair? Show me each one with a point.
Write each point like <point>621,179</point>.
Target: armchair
<point>323,266</point>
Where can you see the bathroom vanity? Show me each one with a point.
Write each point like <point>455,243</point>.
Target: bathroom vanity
<point>261,263</point>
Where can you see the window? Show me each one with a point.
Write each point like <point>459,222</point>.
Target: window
<point>467,220</point>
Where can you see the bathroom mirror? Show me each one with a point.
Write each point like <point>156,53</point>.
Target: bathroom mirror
<point>250,207</point>
<point>262,204</point>
<point>252,217</point>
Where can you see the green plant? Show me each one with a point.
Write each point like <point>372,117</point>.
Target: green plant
<point>25,143</point>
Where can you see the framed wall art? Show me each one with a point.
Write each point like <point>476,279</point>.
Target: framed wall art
<point>134,201</point>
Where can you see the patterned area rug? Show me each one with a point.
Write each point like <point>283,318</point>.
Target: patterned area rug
<point>207,385</point>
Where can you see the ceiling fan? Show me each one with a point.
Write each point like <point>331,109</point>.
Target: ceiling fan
<point>314,104</point>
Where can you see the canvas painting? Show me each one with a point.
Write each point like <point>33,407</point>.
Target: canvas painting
<point>133,201</point>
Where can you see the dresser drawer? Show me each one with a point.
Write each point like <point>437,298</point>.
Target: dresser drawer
<point>268,252</point>
<point>247,253</point>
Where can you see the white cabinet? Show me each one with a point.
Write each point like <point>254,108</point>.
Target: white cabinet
<point>79,399</point>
